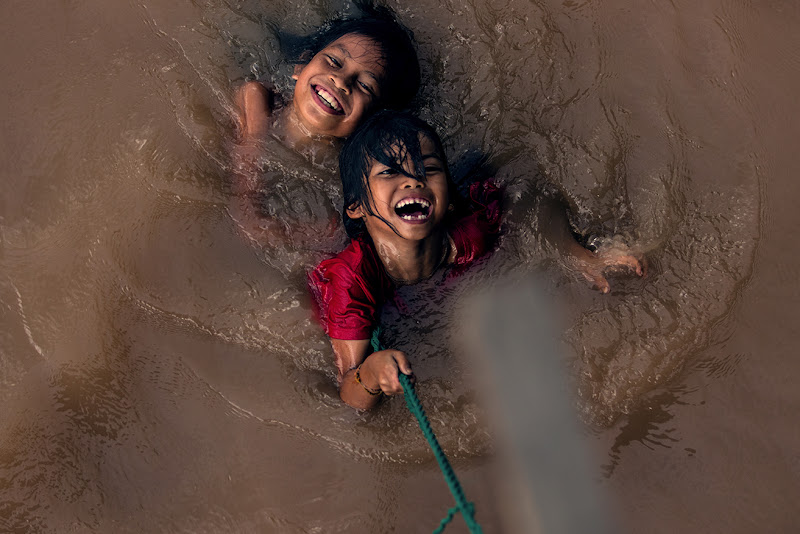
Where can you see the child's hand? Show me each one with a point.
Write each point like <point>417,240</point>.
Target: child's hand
<point>380,371</point>
<point>609,259</point>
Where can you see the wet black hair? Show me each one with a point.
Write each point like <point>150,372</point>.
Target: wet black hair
<point>387,137</point>
<point>378,23</point>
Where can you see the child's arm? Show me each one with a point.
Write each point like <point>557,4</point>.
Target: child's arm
<point>255,103</point>
<point>594,266</point>
<point>363,378</point>
<point>255,106</point>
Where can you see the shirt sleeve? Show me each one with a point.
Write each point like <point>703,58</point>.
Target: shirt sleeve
<point>475,234</point>
<point>347,296</point>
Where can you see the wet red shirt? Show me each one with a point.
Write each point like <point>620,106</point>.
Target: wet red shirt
<point>350,288</point>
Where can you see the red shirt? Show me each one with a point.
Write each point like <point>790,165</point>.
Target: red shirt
<point>350,288</point>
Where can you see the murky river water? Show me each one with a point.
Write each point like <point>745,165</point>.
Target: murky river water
<point>159,373</point>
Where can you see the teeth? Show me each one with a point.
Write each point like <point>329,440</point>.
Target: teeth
<point>419,217</point>
<point>406,201</point>
<point>328,98</point>
<point>421,214</point>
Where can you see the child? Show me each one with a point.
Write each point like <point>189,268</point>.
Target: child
<point>400,217</point>
<point>349,69</point>
<point>398,211</point>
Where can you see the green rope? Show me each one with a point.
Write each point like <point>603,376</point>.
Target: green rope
<point>466,508</point>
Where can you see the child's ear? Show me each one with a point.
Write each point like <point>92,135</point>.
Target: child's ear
<point>304,58</point>
<point>355,211</point>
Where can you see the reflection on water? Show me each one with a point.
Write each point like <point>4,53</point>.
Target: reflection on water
<point>161,373</point>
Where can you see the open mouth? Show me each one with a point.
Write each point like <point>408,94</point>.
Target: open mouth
<point>327,100</point>
<point>413,209</point>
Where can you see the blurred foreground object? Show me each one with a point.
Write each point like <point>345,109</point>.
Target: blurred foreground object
<point>512,337</point>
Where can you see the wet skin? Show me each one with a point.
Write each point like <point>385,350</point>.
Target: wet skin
<point>410,241</point>
<point>340,86</point>
<point>406,207</point>
<point>334,92</point>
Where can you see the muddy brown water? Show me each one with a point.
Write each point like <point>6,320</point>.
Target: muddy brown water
<point>158,373</point>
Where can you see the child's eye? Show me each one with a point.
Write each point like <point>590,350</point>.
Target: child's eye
<point>333,61</point>
<point>367,88</point>
<point>431,169</point>
<point>387,172</point>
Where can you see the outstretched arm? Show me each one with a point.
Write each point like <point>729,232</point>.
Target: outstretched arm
<point>362,377</point>
<point>593,266</point>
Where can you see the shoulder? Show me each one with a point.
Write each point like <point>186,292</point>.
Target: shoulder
<point>356,258</point>
<point>256,103</point>
<point>255,93</point>
<point>348,291</point>
<point>356,270</point>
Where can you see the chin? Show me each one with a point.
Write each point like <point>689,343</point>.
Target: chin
<point>420,234</point>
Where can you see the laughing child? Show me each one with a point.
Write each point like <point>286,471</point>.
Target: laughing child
<point>347,70</point>
<point>399,214</point>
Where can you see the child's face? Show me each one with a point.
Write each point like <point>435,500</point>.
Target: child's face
<point>414,207</point>
<point>337,89</point>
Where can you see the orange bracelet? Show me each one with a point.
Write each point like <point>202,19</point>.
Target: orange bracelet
<point>370,391</point>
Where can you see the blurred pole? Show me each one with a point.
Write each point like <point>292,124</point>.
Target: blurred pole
<point>513,337</point>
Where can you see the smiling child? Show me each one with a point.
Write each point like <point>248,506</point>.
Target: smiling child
<point>403,228</point>
<point>399,213</point>
<point>349,69</point>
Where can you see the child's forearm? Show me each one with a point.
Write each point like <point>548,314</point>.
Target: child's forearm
<point>364,377</point>
<point>356,392</point>
<point>350,356</point>
<point>555,228</point>
<point>592,266</point>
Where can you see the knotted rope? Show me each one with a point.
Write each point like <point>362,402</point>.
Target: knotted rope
<point>466,508</point>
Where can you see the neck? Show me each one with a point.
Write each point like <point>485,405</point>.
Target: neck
<point>294,134</point>
<point>408,262</point>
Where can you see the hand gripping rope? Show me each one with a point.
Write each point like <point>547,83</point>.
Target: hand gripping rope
<point>466,508</point>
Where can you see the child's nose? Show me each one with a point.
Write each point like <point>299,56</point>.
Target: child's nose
<point>342,83</point>
<point>413,182</point>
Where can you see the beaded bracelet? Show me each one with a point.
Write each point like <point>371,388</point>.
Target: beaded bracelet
<point>370,391</point>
